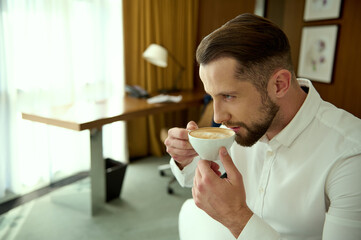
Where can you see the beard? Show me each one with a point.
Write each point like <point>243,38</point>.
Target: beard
<point>256,130</point>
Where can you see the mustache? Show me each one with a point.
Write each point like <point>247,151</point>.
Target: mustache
<point>238,124</point>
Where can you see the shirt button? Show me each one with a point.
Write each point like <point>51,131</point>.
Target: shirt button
<point>261,190</point>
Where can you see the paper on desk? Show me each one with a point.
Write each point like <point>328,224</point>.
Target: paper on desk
<point>162,98</point>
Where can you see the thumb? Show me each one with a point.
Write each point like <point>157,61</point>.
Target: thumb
<point>227,162</point>
<point>192,125</point>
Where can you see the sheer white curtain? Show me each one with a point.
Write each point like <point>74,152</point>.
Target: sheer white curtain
<point>54,52</point>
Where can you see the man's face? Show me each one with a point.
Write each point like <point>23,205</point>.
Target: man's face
<point>237,104</point>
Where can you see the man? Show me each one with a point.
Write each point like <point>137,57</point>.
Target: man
<point>295,172</point>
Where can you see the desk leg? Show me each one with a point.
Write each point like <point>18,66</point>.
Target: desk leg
<point>97,171</point>
<point>79,198</point>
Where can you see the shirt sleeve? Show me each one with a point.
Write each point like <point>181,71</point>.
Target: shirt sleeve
<point>257,229</point>
<point>343,188</point>
<point>186,175</point>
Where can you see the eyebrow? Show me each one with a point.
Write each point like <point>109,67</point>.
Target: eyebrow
<point>227,93</point>
<point>222,93</point>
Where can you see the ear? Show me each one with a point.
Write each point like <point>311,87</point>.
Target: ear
<point>280,83</point>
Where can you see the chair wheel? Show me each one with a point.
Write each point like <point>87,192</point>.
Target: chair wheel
<point>170,190</point>
<point>162,173</point>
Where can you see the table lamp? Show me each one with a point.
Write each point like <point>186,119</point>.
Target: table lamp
<point>158,55</point>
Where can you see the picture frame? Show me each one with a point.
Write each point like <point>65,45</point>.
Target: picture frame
<point>317,52</point>
<point>321,9</point>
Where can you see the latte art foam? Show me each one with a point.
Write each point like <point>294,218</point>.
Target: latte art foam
<point>212,133</point>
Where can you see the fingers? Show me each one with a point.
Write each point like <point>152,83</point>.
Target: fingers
<point>178,133</point>
<point>227,162</point>
<point>192,125</point>
<point>208,171</point>
<point>179,148</point>
<point>204,181</point>
<point>177,144</point>
<point>215,168</point>
<point>180,154</point>
<point>198,187</point>
<point>181,133</point>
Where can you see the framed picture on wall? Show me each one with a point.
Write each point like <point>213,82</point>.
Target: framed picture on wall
<point>321,9</point>
<point>317,52</point>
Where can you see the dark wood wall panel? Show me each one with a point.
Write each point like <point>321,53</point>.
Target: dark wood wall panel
<point>345,89</point>
<point>213,14</point>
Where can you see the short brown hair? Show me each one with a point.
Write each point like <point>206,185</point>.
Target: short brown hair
<point>259,46</point>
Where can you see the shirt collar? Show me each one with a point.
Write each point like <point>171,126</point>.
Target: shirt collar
<point>300,121</point>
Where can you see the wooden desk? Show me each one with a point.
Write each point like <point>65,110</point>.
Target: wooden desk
<point>93,116</point>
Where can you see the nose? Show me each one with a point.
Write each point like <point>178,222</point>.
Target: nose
<point>220,114</point>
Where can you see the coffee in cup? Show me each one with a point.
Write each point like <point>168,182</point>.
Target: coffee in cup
<point>211,133</point>
<point>207,141</point>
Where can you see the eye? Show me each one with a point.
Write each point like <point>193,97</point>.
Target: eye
<point>227,97</point>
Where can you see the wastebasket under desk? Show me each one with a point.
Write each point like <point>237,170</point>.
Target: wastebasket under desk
<point>115,172</point>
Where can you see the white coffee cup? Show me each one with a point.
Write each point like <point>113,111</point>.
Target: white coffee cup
<point>208,140</point>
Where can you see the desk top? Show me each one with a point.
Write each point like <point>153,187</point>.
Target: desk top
<point>86,115</point>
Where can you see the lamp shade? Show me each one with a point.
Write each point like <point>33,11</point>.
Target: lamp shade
<point>156,55</point>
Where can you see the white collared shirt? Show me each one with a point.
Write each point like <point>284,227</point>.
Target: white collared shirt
<point>306,182</point>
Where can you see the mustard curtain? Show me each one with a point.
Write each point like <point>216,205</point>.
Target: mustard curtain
<point>172,24</point>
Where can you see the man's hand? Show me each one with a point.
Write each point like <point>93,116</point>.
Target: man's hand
<point>178,145</point>
<point>223,199</point>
